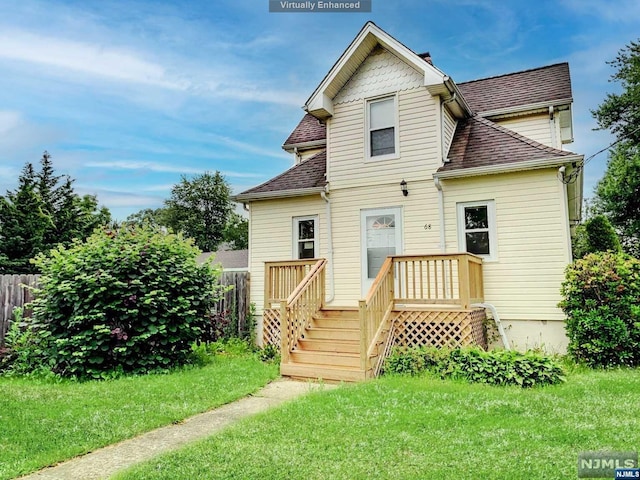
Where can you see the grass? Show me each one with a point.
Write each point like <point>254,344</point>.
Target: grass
<point>43,422</point>
<point>421,428</point>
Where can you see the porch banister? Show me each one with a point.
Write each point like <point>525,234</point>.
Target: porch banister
<point>464,280</point>
<point>284,333</point>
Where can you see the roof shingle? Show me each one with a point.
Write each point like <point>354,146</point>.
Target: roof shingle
<point>308,130</point>
<point>479,142</point>
<point>528,87</point>
<point>309,173</point>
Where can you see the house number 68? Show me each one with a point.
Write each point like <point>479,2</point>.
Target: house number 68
<point>427,226</point>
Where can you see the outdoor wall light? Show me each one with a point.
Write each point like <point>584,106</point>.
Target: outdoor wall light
<point>403,187</point>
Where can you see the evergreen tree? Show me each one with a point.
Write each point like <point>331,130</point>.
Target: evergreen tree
<point>42,212</point>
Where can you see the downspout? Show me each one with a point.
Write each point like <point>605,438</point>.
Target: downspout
<point>329,244</point>
<point>443,241</point>
<point>496,318</point>
<point>565,207</point>
<point>552,126</point>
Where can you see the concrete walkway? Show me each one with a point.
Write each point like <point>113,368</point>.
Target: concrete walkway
<point>107,461</point>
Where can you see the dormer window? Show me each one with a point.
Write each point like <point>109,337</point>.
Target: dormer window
<point>382,128</point>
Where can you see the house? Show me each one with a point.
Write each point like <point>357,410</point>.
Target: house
<point>412,200</point>
<point>229,260</point>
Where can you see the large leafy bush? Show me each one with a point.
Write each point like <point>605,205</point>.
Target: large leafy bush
<point>601,297</point>
<point>497,367</point>
<point>127,300</point>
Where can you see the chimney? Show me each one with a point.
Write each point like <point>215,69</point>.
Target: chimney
<point>426,57</point>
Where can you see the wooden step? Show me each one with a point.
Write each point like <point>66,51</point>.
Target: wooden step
<point>331,359</point>
<point>337,323</point>
<point>324,345</point>
<point>316,333</point>
<point>343,313</point>
<point>322,372</point>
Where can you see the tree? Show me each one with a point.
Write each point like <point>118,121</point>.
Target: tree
<point>200,208</point>
<point>42,212</point>
<point>24,223</point>
<point>621,112</point>
<point>618,193</point>
<point>596,235</point>
<point>236,232</point>
<point>149,216</point>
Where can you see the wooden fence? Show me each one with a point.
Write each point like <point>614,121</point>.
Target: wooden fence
<point>15,292</point>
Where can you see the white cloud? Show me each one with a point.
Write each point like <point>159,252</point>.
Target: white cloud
<point>626,11</point>
<point>92,59</point>
<point>8,121</point>
<point>139,165</point>
<point>161,168</point>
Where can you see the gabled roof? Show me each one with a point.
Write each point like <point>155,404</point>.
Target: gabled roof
<point>309,130</point>
<point>482,145</point>
<point>544,86</point>
<point>303,178</point>
<point>320,103</point>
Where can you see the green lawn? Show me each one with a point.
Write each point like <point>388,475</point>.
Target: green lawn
<point>43,422</point>
<point>421,428</point>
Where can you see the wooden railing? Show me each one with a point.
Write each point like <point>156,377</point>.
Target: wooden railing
<point>296,312</point>
<point>441,279</point>
<point>453,279</point>
<point>282,278</point>
<point>374,310</point>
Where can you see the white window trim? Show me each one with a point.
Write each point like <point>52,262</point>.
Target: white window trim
<point>296,239</point>
<point>493,235</point>
<point>367,133</point>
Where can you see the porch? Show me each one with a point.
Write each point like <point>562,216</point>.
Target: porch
<point>415,300</point>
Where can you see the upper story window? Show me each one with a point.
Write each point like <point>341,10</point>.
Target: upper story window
<point>477,228</point>
<point>305,237</point>
<point>382,128</point>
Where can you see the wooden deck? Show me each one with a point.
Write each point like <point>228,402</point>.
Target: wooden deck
<point>415,300</point>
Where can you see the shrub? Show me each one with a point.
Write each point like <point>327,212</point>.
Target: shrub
<point>412,361</point>
<point>23,351</point>
<point>601,297</point>
<point>601,237</point>
<point>127,300</point>
<point>497,367</point>
<point>503,367</point>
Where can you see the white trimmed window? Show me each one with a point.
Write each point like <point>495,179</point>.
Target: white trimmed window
<point>305,237</point>
<point>477,229</point>
<point>382,128</point>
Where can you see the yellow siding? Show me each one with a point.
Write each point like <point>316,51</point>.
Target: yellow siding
<point>306,154</point>
<point>449,127</point>
<point>419,209</point>
<point>524,282</point>
<point>536,127</point>
<point>270,230</point>
<point>418,147</point>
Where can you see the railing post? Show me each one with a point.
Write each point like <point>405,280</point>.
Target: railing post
<point>364,342</point>
<point>463,280</point>
<point>267,286</point>
<point>284,333</point>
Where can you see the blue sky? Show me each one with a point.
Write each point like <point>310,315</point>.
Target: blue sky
<point>127,96</point>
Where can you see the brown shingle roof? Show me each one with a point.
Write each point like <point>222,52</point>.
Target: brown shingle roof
<point>227,258</point>
<point>537,85</point>
<point>479,142</point>
<point>308,130</point>
<point>309,173</point>
<point>543,84</point>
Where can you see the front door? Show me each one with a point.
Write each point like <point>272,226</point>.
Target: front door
<point>381,237</point>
